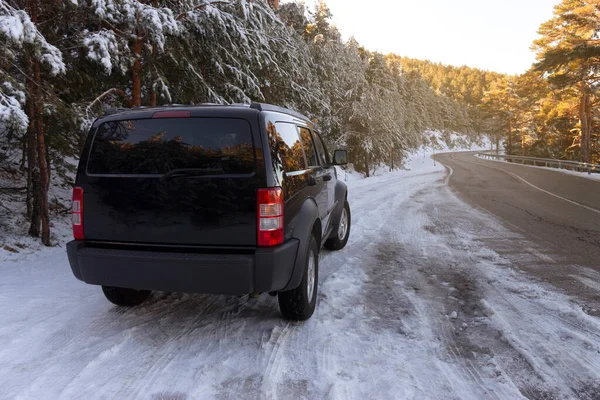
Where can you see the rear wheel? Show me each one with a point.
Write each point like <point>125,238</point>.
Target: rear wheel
<point>125,297</point>
<point>299,304</point>
<point>340,237</point>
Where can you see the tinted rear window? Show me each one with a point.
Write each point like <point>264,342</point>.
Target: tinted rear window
<point>157,146</point>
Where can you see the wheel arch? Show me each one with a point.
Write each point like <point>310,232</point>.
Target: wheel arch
<point>341,196</point>
<point>309,224</point>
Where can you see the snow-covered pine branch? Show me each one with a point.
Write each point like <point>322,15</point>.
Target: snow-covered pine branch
<point>18,29</point>
<point>12,115</point>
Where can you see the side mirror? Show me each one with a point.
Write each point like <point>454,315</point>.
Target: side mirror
<point>340,157</point>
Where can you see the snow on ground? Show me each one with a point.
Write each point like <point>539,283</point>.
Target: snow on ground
<point>416,306</point>
<point>15,243</point>
<point>437,142</point>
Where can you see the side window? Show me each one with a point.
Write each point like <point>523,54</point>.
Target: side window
<point>309,148</point>
<point>322,153</point>
<point>285,144</point>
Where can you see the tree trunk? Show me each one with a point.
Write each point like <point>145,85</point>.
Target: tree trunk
<point>153,74</point>
<point>136,72</point>
<point>509,150</point>
<point>34,229</point>
<point>152,91</point>
<point>42,161</point>
<point>152,97</point>
<point>33,177</point>
<point>585,118</point>
<point>41,192</point>
<point>23,163</point>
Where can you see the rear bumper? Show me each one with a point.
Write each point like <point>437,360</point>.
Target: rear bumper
<point>267,270</point>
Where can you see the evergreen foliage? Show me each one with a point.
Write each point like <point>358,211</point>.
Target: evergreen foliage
<point>57,77</point>
<point>568,54</point>
<point>549,111</point>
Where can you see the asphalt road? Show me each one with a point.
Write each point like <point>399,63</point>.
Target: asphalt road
<point>558,212</point>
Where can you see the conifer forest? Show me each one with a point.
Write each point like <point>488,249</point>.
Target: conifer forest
<point>65,62</point>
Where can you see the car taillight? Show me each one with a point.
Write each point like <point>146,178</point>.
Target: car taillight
<point>77,210</point>
<point>270,217</point>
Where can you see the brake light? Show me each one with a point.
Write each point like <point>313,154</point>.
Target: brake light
<point>269,217</point>
<point>77,210</point>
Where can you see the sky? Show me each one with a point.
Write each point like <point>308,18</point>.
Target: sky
<point>494,35</point>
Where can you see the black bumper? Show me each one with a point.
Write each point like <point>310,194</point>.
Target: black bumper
<point>266,270</point>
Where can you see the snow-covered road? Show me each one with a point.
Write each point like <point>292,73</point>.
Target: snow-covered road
<point>416,306</point>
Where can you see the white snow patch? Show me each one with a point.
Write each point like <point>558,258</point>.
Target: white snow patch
<point>380,330</point>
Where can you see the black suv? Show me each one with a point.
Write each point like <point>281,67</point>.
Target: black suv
<point>209,199</point>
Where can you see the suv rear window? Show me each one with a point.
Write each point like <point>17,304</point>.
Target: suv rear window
<point>157,146</point>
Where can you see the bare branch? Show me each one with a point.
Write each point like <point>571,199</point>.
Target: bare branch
<point>116,91</point>
<point>116,30</point>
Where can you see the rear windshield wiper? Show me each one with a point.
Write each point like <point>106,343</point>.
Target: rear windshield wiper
<point>191,172</point>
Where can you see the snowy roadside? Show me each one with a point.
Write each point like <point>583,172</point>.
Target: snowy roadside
<point>15,243</point>
<point>416,306</point>
<point>593,176</point>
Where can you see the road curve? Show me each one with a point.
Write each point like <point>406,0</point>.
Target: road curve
<point>558,212</point>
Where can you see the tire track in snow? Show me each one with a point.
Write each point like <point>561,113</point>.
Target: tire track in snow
<point>379,214</point>
<point>556,369</point>
<point>361,239</point>
<point>536,389</point>
<point>388,297</point>
<point>375,209</point>
<point>165,346</point>
<point>269,380</point>
<point>431,313</point>
<point>380,331</point>
<point>558,373</point>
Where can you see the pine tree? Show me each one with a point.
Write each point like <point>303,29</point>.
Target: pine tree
<point>131,34</point>
<point>55,79</point>
<point>35,62</point>
<point>569,53</point>
<point>500,102</point>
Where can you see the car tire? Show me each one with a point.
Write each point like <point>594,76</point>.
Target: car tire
<point>340,236</point>
<point>299,304</point>
<point>125,297</point>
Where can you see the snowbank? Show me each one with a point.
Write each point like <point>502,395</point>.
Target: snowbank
<point>14,239</point>
<point>436,142</point>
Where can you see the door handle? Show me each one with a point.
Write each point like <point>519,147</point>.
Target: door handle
<point>312,181</point>
<point>327,177</point>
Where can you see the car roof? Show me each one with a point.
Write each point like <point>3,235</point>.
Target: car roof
<point>204,108</point>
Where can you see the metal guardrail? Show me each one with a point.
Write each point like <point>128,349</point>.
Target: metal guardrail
<point>546,162</point>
